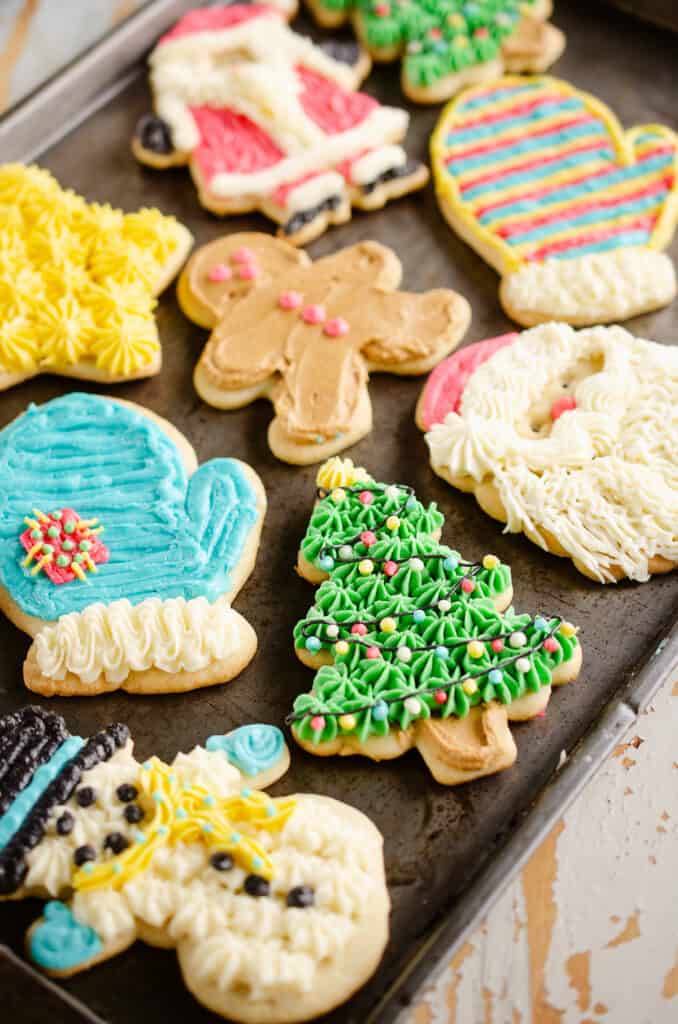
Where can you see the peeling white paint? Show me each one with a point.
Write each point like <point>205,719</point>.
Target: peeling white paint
<point>613,955</point>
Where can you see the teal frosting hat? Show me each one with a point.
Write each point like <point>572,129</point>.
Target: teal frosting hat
<point>168,535</point>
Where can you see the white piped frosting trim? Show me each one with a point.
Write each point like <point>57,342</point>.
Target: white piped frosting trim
<point>113,640</point>
<point>597,288</point>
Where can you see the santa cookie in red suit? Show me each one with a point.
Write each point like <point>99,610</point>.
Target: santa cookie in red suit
<point>267,120</point>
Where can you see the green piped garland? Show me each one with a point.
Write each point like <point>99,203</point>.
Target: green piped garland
<point>412,628</point>
<point>437,37</point>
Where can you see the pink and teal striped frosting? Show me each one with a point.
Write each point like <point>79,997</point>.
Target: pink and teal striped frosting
<point>548,172</point>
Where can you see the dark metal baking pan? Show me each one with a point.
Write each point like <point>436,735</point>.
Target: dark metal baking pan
<point>449,852</point>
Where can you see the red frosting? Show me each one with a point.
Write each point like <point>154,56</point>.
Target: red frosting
<point>96,552</point>
<point>332,108</point>
<point>231,143</point>
<point>444,388</point>
<point>212,19</point>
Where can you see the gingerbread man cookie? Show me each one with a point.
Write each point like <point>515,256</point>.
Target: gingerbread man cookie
<point>568,437</point>
<point>277,907</point>
<point>267,120</point>
<point>571,210</point>
<point>415,646</point>
<point>128,582</point>
<point>448,44</point>
<point>307,335</point>
<point>78,280</point>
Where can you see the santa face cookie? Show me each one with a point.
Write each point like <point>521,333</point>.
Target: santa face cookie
<point>573,212</point>
<point>413,645</point>
<point>307,335</point>
<point>570,437</point>
<point>448,45</point>
<point>78,280</point>
<point>277,908</point>
<point>120,555</point>
<point>267,120</point>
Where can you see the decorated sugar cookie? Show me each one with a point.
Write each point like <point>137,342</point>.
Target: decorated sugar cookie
<point>118,554</point>
<point>415,646</point>
<point>277,907</point>
<point>267,120</point>
<point>78,280</point>
<point>572,211</point>
<point>306,335</point>
<point>569,437</point>
<point>448,44</point>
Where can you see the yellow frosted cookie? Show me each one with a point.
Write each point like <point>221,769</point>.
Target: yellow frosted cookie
<point>78,280</point>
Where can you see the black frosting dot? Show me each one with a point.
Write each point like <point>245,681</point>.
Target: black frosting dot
<point>154,134</point>
<point>65,823</point>
<point>221,861</point>
<point>83,854</point>
<point>301,896</point>
<point>116,842</point>
<point>255,885</point>
<point>133,814</point>
<point>85,796</point>
<point>126,792</point>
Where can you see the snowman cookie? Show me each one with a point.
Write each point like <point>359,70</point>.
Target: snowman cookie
<point>543,182</point>
<point>119,555</point>
<point>569,437</point>
<point>277,907</point>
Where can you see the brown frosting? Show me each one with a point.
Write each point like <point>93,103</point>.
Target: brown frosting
<point>322,372</point>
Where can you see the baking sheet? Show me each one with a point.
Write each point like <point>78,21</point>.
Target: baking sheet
<point>448,851</point>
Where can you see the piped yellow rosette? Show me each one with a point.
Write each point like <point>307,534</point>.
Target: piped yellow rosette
<point>77,280</point>
<point>189,813</point>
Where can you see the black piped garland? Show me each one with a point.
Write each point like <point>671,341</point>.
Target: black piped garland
<point>98,748</point>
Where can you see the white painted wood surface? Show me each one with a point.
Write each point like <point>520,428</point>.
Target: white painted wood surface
<point>588,933</point>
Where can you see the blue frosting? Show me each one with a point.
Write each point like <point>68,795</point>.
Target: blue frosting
<point>251,748</point>
<point>168,535</point>
<point>15,815</point>
<point>60,943</point>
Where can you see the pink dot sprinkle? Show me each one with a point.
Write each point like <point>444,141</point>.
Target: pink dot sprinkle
<point>540,714</point>
<point>368,538</point>
<point>359,629</point>
<point>390,568</point>
<point>248,272</point>
<point>372,653</point>
<point>219,272</point>
<point>551,644</point>
<point>337,327</point>
<point>497,645</point>
<point>435,33</point>
<point>382,10</point>
<point>366,497</point>
<point>467,585</point>
<point>289,300</point>
<point>565,404</point>
<point>313,314</point>
<point>243,255</point>
<point>440,697</point>
<point>481,33</point>
<point>317,723</point>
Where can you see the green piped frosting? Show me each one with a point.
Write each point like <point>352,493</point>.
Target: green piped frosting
<point>437,37</point>
<point>355,684</point>
<point>335,523</point>
<point>348,597</point>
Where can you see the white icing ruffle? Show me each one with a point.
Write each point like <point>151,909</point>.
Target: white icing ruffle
<point>113,640</point>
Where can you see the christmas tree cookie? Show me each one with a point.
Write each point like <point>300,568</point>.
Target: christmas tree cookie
<point>415,646</point>
<point>448,44</point>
